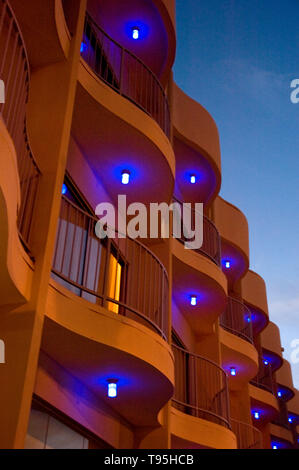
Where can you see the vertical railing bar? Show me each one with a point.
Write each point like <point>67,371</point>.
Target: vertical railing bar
<point>6,46</point>
<point>13,92</point>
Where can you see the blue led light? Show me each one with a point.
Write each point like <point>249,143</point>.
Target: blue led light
<point>83,47</point>
<point>192,179</point>
<point>256,415</point>
<point>266,362</point>
<point>112,389</point>
<point>227,264</point>
<point>290,420</point>
<point>233,371</point>
<point>193,300</point>
<point>64,189</point>
<point>125,177</point>
<point>279,394</point>
<point>274,446</point>
<point>135,33</point>
<point>248,319</point>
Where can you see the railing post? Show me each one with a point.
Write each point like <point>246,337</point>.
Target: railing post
<point>106,272</point>
<point>121,73</point>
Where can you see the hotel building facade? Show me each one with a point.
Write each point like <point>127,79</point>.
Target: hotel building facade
<point>122,343</point>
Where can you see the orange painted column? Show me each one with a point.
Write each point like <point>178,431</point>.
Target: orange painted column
<point>266,436</point>
<point>240,405</point>
<point>159,438</point>
<point>49,118</point>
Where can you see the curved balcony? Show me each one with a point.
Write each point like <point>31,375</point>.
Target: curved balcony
<point>237,319</point>
<point>119,274</point>
<point>248,437</point>
<point>280,438</point>
<point>211,247</point>
<point>201,388</point>
<point>284,378</point>
<point>233,228</point>
<point>270,341</point>
<point>15,73</point>
<point>282,419</point>
<point>125,73</point>
<point>293,404</point>
<point>86,342</point>
<point>255,295</point>
<point>237,347</point>
<point>264,379</point>
<point>197,146</point>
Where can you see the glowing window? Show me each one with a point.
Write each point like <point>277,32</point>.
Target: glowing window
<point>114,283</point>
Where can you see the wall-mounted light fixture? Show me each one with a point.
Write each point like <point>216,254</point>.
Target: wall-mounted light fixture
<point>112,388</point>
<point>125,177</point>
<point>135,33</point>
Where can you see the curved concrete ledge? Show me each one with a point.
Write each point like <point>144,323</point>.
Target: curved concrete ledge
<point>196,127</point>
<point>264,401</point>
<point>281,433</point>
<point>195,274</point>
<point>148,150</point>
<point>170,7</point>
<point>126,111</point>
<point>284,376</point>
<point>62,28</point>
<point>270,340</point>
<point>200,263</point>
<point>189,432</point>
<point>293,404</point>
<point>16,268</point>
<point>254,293</point>
<point>239,353</point>
<point>50,42</point>
<point>232,225</point>
<point>93,343</point>
<point>167,9</point>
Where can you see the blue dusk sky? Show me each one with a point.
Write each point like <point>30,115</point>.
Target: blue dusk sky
<point>238,58</point>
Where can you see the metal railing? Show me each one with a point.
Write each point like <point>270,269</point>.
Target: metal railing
<point>125,73</point>
<point>120,274</point>
<point>201,387</point>
<point>211,247</point>
<point>248,437</point>
<point>237,319</point>
<point>14,71</point>
<point>264,379</point>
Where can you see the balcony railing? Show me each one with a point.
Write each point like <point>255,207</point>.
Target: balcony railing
<point>120,274</point>
<point>248,437</point>
<point>201,387</point>
<point>237,319</point>
<point>264,378</point>
<point>14,71</point>
<point>125,73</point>
<point>211,247</point>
